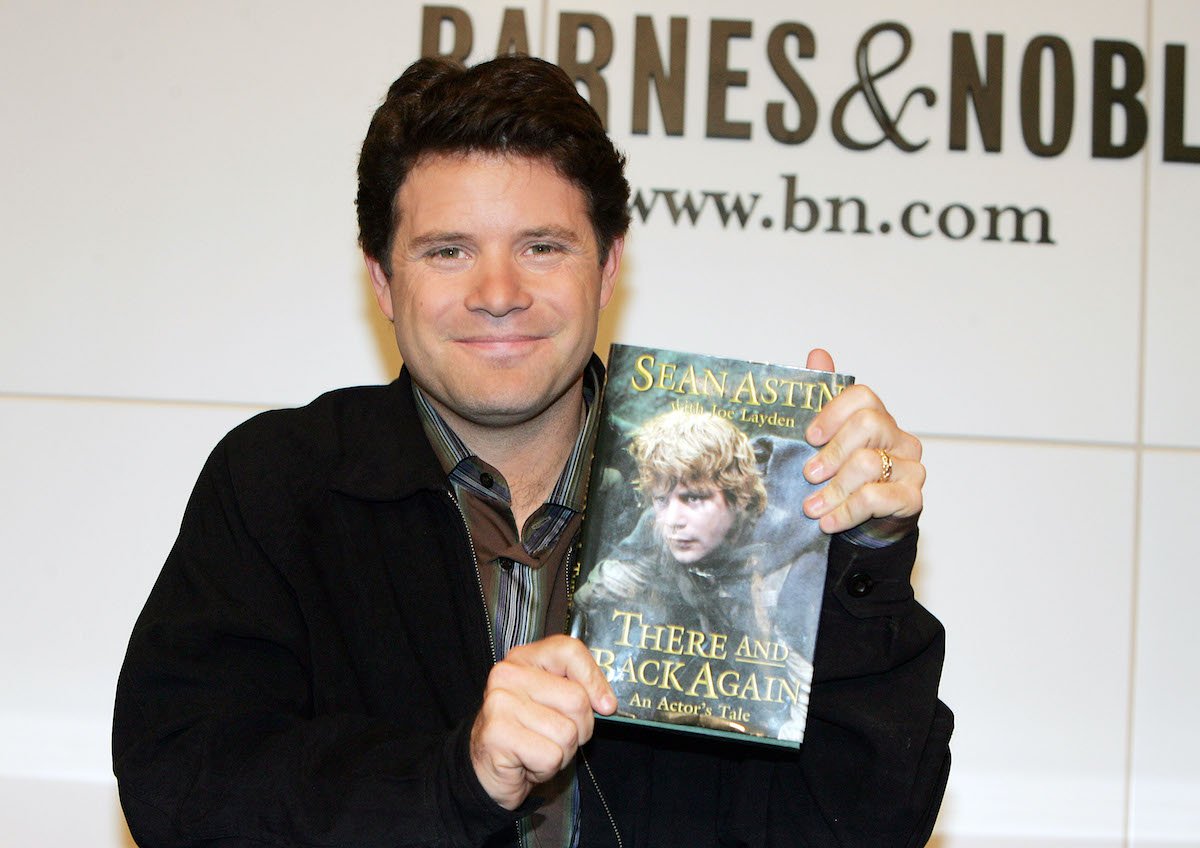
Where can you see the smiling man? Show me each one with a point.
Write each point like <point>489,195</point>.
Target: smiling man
<point>358,637</point>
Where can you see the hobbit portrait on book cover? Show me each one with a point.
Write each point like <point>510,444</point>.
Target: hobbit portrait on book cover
<point>701,578</point>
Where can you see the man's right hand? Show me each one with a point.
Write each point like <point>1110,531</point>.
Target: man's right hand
<point>537,711</point>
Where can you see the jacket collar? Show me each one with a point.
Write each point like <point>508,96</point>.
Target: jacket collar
<point>385,455</point>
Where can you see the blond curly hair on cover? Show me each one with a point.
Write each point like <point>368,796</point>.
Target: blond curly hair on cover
<point>698,448</point>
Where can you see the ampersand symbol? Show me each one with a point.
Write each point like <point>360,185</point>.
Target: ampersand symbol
<point>866,85</point>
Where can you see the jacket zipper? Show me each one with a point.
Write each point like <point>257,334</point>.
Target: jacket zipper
<point>487,619</point>
<point>571,576</point>
<point>572,565</point>
<point>603,801</point>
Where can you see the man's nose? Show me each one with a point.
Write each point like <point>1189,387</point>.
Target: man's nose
<point>498,288</point>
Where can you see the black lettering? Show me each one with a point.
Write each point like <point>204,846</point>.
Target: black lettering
<point>639,206</point>
<point>1031,96</point>
<point>514,34</point>
<point>1175,149</point>
<point>801,94</point>
<point>906,219</point>
<point>669,86</point>
<point>734,209</point>
<point>968,218</point>
<point>587,72</point>
<point>985,92</point>
<point>1106,95</point>
<point>688,207</point>
<point>721,78</point>
<point>434,19</point>
<point>1018,218</point>
<point>835,213</point>
<point>789,208</point>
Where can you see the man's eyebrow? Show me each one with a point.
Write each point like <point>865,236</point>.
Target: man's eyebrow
<point>426,240</point>
<point>554,232</point>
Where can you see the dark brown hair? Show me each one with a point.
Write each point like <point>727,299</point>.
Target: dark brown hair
<point>514,105</point>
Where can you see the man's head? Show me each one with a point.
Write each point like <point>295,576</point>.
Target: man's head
<point>514,106</point>
<point>700,475</point>
<point>492,215</point>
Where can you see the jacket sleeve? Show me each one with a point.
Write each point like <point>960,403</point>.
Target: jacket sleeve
<point>876,755</point>
<point>217,740</point>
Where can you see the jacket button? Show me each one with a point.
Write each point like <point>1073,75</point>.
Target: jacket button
<point>859,585</point>
<point>487,480</point>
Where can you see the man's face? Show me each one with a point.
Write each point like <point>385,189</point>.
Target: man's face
<point>496,286</point>
<point>693,518</point>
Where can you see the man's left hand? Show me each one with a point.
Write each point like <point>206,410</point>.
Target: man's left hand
<point>851,431</point>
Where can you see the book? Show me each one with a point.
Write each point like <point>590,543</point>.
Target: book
<point>699,580</point>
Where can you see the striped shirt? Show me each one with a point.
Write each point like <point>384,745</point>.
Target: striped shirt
<point>524,575</point>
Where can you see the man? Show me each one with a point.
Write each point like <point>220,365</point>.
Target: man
<point>345,646</point>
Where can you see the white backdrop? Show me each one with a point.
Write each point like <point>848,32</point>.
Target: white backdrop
<point>177,244</point>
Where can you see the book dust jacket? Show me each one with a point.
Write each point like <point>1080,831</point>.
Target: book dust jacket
<point>700,578</point>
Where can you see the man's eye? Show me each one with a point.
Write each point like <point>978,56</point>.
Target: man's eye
<point>542,249</point>
<point>448,253</point>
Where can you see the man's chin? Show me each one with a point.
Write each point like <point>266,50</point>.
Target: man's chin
<point>501,399</point>
<point>501,412</point>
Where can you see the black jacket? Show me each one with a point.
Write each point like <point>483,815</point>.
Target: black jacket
<point>309,662</point>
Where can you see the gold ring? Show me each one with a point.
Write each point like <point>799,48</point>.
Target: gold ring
<point>885,466</point>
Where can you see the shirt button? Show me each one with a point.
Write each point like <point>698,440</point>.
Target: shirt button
<point>859,585</point>
<point>506,564</point>
<point>487,480</point>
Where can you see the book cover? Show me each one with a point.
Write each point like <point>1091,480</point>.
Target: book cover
<point>700,578</point>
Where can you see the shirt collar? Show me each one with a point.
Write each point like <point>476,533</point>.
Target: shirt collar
<point>571,489</point>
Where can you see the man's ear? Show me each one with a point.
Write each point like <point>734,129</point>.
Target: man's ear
<point>382,286</point>
<point>612,267</point>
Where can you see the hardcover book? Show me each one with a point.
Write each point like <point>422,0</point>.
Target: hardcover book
<point>700,578</point>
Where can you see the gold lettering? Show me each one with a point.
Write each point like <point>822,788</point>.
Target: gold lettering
<point>628,620</point>
<point>703,679</point>
<point>778,689</point>
<point>727,690</point>
<point>710,379</point>
<point>666,375</point>
<point>687,383</point>
<point>642,366</point>
<point>808,392</point>
<point>747,385</point>
<point>750,689</point>
<point>826,396</point>
<point>718,646</point>
<point>671,676</point>
<point>643,676</point>
<point>791,391</point>
<point>651,643</point>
